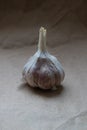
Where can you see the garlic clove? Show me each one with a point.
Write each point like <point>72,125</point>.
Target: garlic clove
<point>58,66</point>
<point>42,69</point>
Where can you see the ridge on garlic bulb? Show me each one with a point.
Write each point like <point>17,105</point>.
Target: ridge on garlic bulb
<point>42,69</point>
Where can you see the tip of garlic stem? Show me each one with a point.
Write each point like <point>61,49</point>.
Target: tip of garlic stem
<point>42,29</point>
<point>42,39</point>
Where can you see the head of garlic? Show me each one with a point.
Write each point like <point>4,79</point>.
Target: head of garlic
<point>42,69</point>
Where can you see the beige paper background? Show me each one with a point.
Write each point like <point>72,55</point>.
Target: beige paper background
<point>24,108</point>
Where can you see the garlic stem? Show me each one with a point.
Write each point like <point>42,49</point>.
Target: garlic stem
<point>42,39</point>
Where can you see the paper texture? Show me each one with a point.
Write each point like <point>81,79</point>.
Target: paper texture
<point>24,108</point>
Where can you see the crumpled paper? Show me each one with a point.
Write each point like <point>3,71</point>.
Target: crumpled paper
<point>23,107</point>
<point>26,108</point>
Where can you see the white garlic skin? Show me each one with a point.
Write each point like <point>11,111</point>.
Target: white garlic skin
<point>43,70</point>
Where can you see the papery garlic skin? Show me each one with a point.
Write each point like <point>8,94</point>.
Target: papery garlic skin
<point>43,70</point>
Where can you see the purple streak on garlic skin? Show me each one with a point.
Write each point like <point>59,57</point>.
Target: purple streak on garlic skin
<point>43,70</point>
<point>44,74</point>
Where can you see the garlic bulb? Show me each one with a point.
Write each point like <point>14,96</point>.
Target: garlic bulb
<point>43,70</point>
